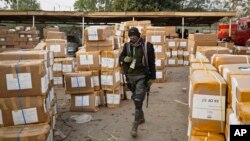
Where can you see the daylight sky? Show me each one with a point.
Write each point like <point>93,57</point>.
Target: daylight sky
<point>58,5</point>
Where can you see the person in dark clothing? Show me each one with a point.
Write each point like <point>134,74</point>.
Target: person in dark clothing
<point>179,33</point>
<point>138,62</point>
<point>185,33</point>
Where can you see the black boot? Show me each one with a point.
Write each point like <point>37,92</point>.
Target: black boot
<point>133,131</point>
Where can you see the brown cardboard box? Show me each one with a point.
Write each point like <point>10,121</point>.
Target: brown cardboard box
<point>182,43</point>
<point>240,50</point>
<point>207,98</point>
<point>174,51</point>
<point>172,61</point>
<point>180,52</point>
<point>169,53</point>
<point>17,110</point>
<point>96,80</point>
<point>192,45</point>
<point>201,66</point>
<point>27,76</point>
<point>58,46</point>
<point>180,61</point>
<point>160,63</point>
<point>210,51</point>
<point>161,76</point>
<point>118,42</point>
<point>35,132</point>
<point>87,61</point>
<point>193,59</point>
<point>222,59</point>
<point>68,64</point>
<point>113,97</point>
<point>26,55</point>
<point>56,35</point>
<point>203,37</point>
<point>110,79</point>
<point>109,60</point>
<point>47,29</point>
<point>229,45</point>
<point>98,33</point>
<point>208,137</point>
<point>156,37</point>
<point>106,45</point>
<point>242,112</point>
<point>160,49</point>
<point>58,80</point>
<point>79,82</point>
<point>84,102</point>
<point>171,43</point>
<point>57,67</point>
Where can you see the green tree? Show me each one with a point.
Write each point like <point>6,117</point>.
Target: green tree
<point>93,5</point>
<point>22,4</point>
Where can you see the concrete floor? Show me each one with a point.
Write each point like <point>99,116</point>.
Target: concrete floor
<point>166,116</point>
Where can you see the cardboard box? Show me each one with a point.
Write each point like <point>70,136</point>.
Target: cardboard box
<point>172,61</point>
<point>203,37</point>
<point>57,67</point>
<point>26,55</point>
<point>182,43</point>
<point>171,43</point>
<point>79,82</point>
<point>35,132</point>
<point>208,137</point>
<point>156,37</point>
<point>192,45</point>
<point>110,79</point>
<point>56,35</point>
<point>161,76</point>
<point>98,33</point>
<point>68,64</point>
<point>96,80</point>
<point>84,102</point>
<point>169,53</point>
<point>210,51</point>
<point>160,49</point>
<point>242,112</point>
<point>109,60</point>
<point>58,46</point>
<point>28,76</point>
<point>201,66</point>
<point>118,42</point>
<point>222,59</point>
<point>193,59</point>
<point>240,50</point>
<point>58,80</point>
<point>160,63</point>
<point>174,52</point>
<point>21,110</point>
<point>47,29</point>
<point>229,45</point>
<point>87,61</point>
<point>106,45</point>
<point>113,98</point>
<point>207,98</point>
<point>180,61</point>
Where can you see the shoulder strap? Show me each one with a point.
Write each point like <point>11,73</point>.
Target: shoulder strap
<point>128,49</point>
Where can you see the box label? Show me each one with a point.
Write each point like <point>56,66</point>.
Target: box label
<point>171,61</point>
<point>67,68</point>
<point>171,44</point>
<point>58,80</point>
<point>86,59</point>
<point>92,34</point>
<point>180,62</point>
<point>209,107</point>
<point>159,75</point>
<point>30,116</point>
<point>55,48</point>
<point>185,53</point>
<point>158,63</point>
<point>96,81</point>
<point>158,48</point>
<point>113,98</point>
<point>97,101</point>
<point>117,76</point>
<point>186,62</point>
<point>57,67</point>
<point>108,62</point>
<point>183,44</point>
<point>25,81</point>
<point>107,80</point>
<point>156,39</point>
<point>180,52</point>
<point>78,82</point>
<point>174,53</point>
<point>82,101</point>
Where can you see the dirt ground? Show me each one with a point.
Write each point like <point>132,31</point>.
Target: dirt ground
<point>166,116</point>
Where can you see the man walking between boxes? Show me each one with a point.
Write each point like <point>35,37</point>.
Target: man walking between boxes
<point>138,62</point>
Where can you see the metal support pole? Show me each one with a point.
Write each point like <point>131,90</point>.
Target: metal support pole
<point>230,28</point>
<point>133,18</point>
<point>83,31</point>
<point>33,23</point>
<point>182,28</point>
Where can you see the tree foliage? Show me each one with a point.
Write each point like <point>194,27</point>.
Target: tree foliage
<point>22,4</point>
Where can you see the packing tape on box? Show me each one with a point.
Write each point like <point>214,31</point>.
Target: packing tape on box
<point>247,57</point>
<point>221,106</point>
<point>87,56</point>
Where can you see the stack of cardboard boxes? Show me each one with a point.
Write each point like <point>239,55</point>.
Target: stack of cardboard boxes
<point>56,42</point>
<point>177,52</point>
<point>27,97</point>
<point>19,37</point>
<point>119,36</point>
<point>157,37</point>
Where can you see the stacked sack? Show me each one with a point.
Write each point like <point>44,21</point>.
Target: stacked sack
<point>27,101</point>
<point>177,52</point>
<point>157,36</point>
<point>19,37</point>
<point>56,42</point>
